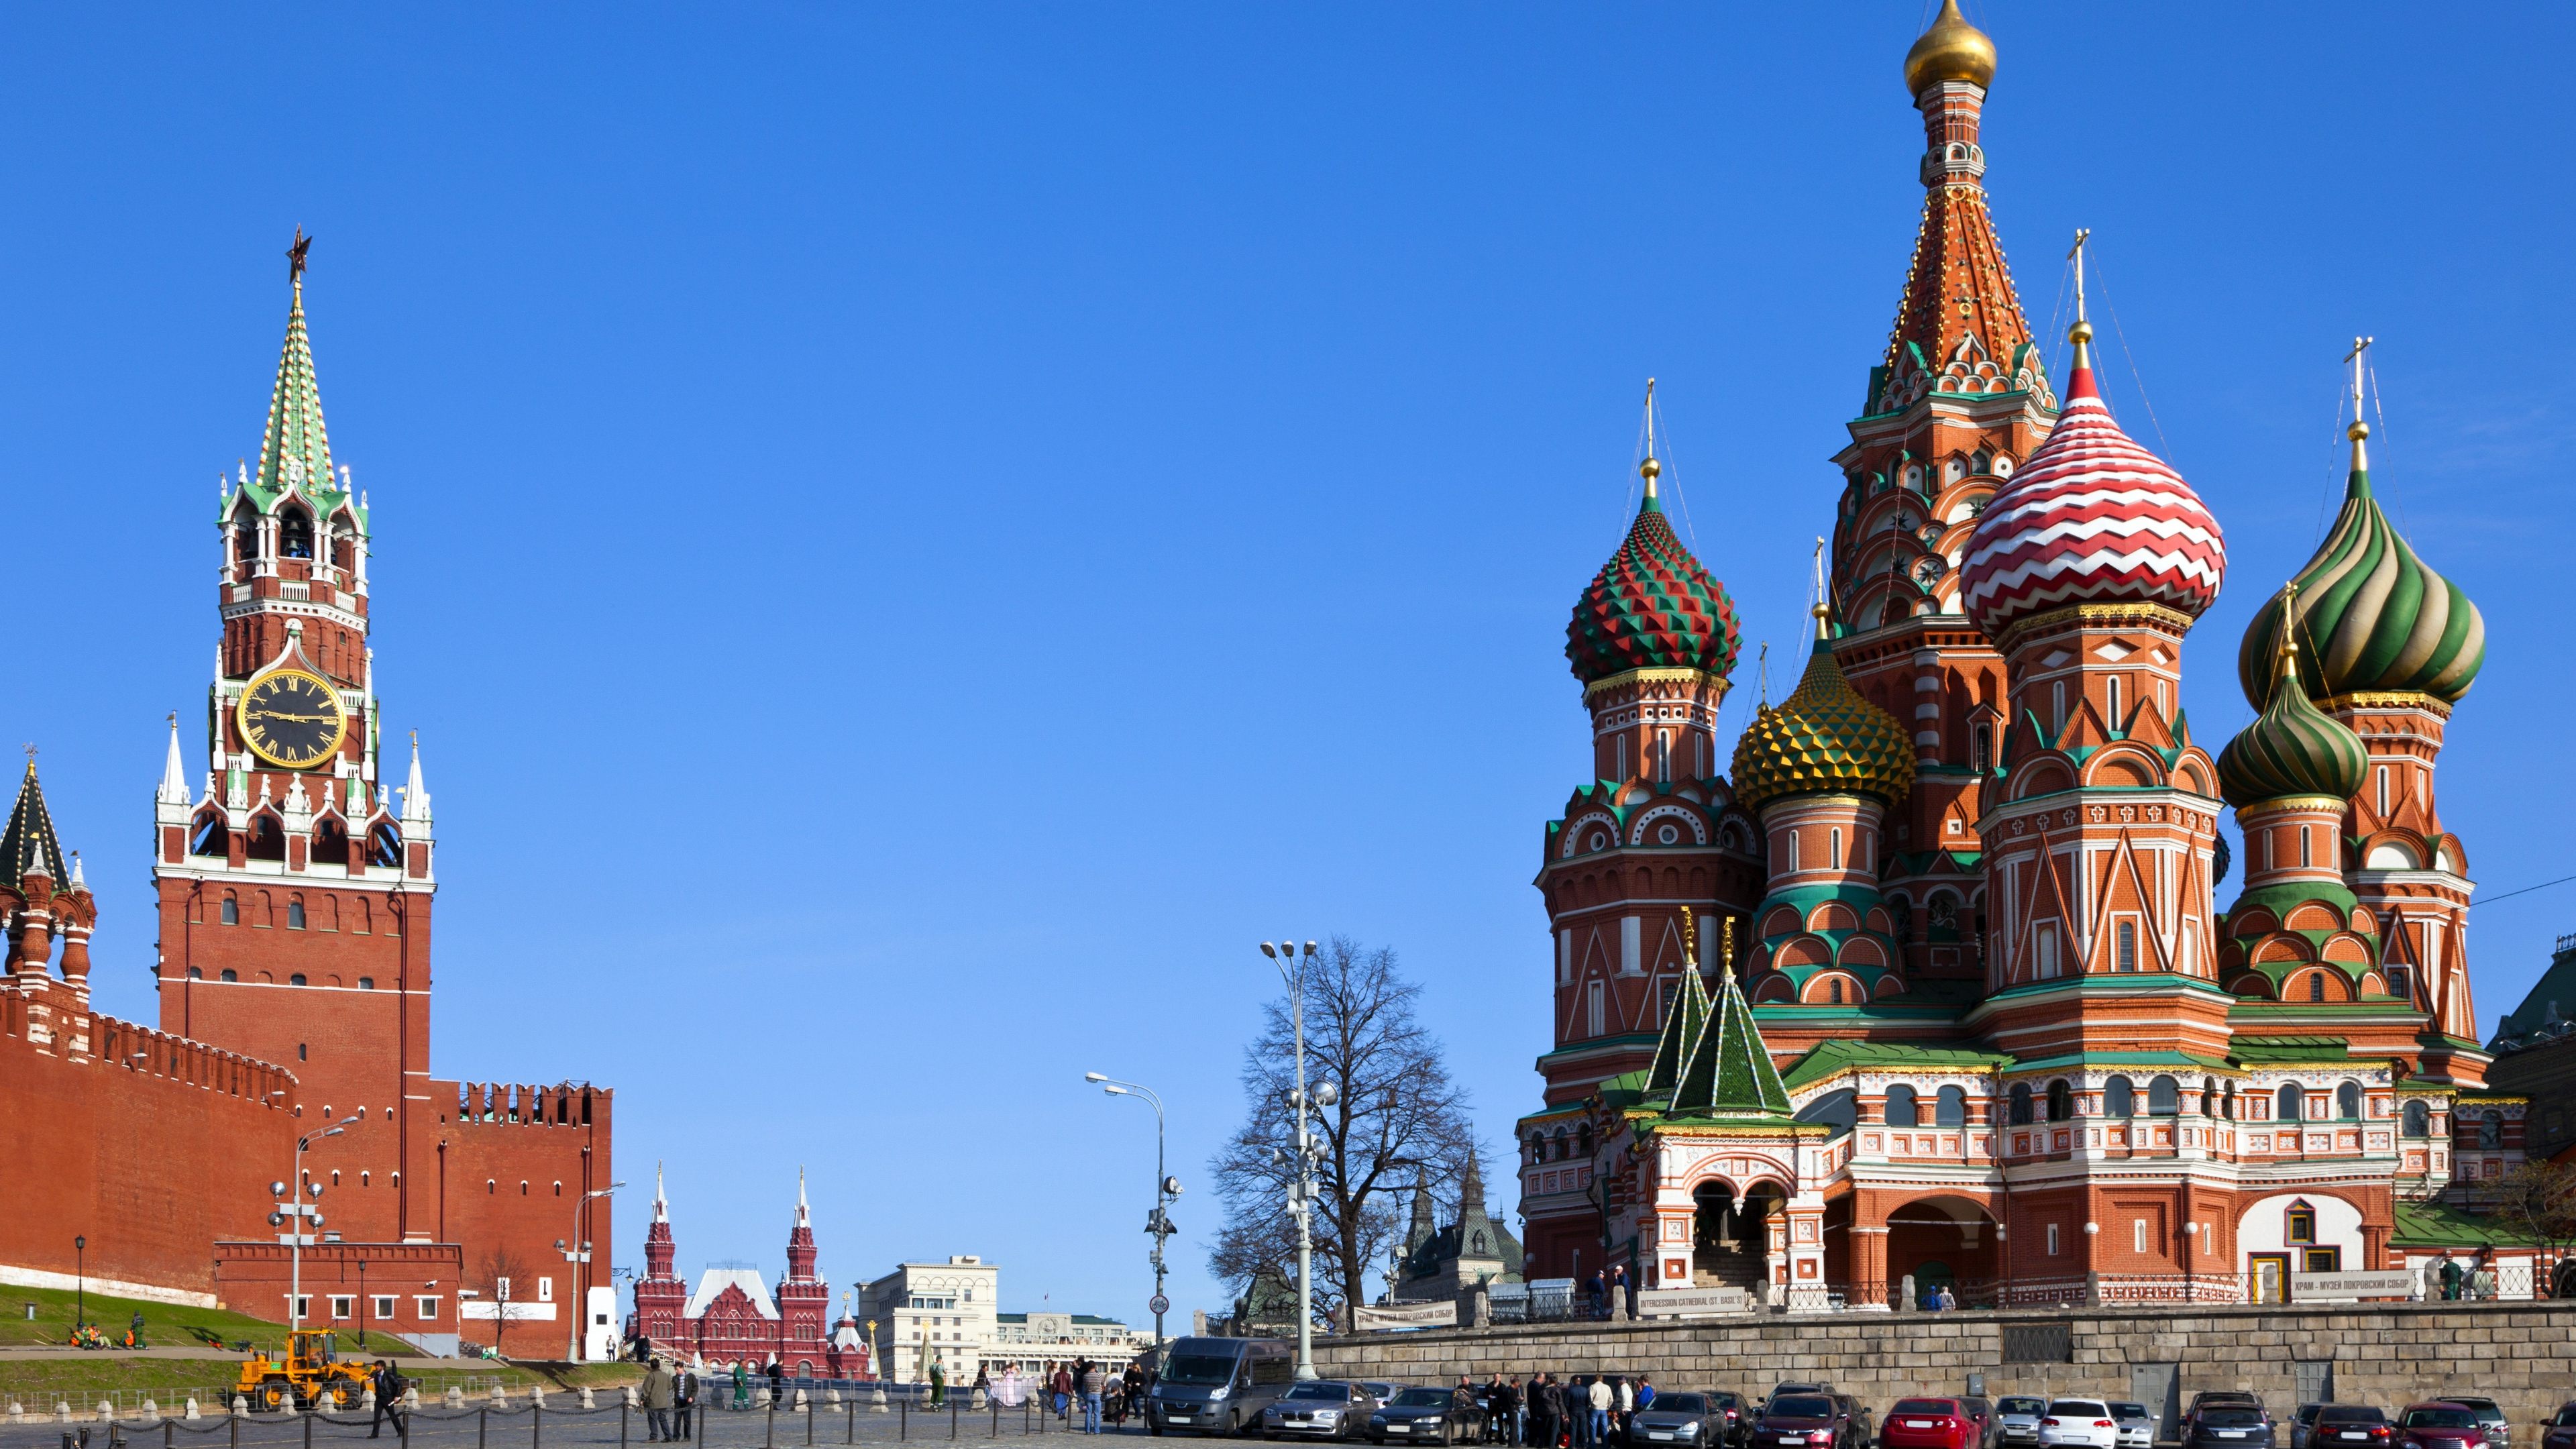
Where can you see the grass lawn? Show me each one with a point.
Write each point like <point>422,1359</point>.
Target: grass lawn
<point>97,1375</point>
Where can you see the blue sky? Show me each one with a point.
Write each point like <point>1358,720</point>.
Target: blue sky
<point>914,536</point>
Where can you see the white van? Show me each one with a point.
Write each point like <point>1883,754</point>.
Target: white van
<point>1219,1385</point>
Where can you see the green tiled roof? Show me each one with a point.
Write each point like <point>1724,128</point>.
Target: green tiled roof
<point>2124,1059</point>
<point>2439,1225</point>
<point>2289,1048</point>
<point>1826,1058</point>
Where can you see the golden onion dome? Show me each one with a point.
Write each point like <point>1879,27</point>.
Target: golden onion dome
<point>1825,738</point>
<point>1952,50</point>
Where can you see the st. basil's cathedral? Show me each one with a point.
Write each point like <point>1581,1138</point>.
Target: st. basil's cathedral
<point>1940,980</point>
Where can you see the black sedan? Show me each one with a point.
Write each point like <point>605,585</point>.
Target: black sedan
<point>1424,1415</point>
<point>2228,1427</point>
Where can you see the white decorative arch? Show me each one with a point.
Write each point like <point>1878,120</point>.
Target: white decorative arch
<point>1697,823</point>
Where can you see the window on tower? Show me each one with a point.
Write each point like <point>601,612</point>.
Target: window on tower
<point>245,540</point>
<point>211,836</point>
<point>384,846</point>
<point>232,910</point>
<point>295,915</point>
<point>295,534</point>
<point>267,839</point>
<point>331,843</point>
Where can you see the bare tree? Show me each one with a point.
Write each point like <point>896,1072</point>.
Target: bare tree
<point>503,1278</point>
<point>1397,1119</point>
<point>2543,1195</point>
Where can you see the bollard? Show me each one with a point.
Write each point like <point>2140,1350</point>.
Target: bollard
<point>62,1411</point>
<point>308,1427</point>
<point>241,1406</point>
<point>809,1415</point>
<point>455,1396</point>
<point>536,1417</point>
<point>850,1435</point>
<point>367,1399</point>
<point>107,1411</point>
<point>17,1412</point>
<point>621,1426</point>
<point>537,1395</point>
<point>152,1408</point>
<point>996,1431</point>
<point>800,1398</point>
<point>168,1433</point>
<point>192,1409</point>
<point>232,1428</point>
<point>877,1403</point>
<point>483,1420</point>
<point>952,1416</point>
<point>587,1401</point>
<point>902,1418</point>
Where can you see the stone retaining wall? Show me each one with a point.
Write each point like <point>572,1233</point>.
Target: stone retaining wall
<point>2521,1354</point>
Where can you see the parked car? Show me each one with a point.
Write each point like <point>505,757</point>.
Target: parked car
<point>1680,1419</point>
<point>2490,1418</point>
<point>1219,1385</point>
<point>2560,1431</point>
<point>1379,1392</point>
<point>1738,1412</point>
<point>1989,1429</point>
<point>2440,1424</point>
<point>2340,1426</point>
<point>2079,1422</point>
<point>1418,1413</point>
<point>1931,1424</point>
<point>1808,1421</point>
<point>1318,1409</point>
<point>2018,1415</point>
<point>2227,1426</point>
<point>2137,1426</point>
<point>1794,1387</point>
<point>1860,1414</point>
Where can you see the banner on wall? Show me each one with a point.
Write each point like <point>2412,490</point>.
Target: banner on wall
<point>1406,1315</point>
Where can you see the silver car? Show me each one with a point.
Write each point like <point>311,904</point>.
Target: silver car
<point>1319,1409</point>
<point>2137,1426</point>
<point>2018,1416</point>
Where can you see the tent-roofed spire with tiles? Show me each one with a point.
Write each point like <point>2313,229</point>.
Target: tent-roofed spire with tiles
<point>1731,1073</point>
<point>1685,1024</point>
<point>295,448</point>
<point>29,845</point>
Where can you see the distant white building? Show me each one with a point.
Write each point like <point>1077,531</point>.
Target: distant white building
<point>926,1313</point>
<point>944,1313</point>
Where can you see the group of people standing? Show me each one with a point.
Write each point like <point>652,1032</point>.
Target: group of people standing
<point>1605,1288</point>
<point>1093,1390</point>
<point>1588,1411</point>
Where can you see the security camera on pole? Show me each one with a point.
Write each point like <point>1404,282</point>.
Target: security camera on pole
<point>1301,1196</point>
<point>1159,1221</point>
<point>306,1215</point>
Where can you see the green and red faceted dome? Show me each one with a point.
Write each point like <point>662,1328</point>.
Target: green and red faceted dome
<point>1652,606</point>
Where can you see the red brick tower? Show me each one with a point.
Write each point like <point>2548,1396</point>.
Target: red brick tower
<point>803,1299</point>
<point>1960,400</point>
<point>1652,833</point>
<point>295,899</point>
<point>660,1296</point>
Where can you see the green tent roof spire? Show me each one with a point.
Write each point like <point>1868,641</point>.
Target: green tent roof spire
<point>1730,1073</point>
<point>1686,1027</point>
<point>295,451</point>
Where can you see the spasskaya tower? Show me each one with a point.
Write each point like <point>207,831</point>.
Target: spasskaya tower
<point>296,881</point>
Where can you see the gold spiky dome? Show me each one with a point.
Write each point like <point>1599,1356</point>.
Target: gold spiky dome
<point>1823,739</point>
<point>1952,50</point>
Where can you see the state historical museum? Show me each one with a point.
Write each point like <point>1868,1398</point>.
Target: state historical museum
<point>296,887</point>
<point>1942,980</point>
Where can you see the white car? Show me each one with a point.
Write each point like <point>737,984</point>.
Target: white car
<point>2086,1422</point>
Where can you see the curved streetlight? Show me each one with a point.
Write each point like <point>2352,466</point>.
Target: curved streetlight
<point>578,1251</point>
<point>1159,1222</point>
<point>1292,970</point>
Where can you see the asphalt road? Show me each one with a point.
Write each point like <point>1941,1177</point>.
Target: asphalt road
<point>561,1425</point>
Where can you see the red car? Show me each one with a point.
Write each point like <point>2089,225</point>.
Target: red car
<point>1930,1424</point>
<point>2438,1425</point>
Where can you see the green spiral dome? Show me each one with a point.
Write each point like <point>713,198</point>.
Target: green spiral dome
<point>2291,748</point>
<point>2372,617</point>
<point>1823,739</point>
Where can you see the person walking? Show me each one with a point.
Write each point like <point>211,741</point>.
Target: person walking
<point>657,1402</point>
<point>684,1400</point>
<point>741,1386</point>
<point>1092,1384</point>
<point>1063,1387</point>
<point>1603,1401</point>
<point>389,1386</point>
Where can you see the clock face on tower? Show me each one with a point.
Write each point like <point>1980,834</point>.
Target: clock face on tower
<point>292,719</point>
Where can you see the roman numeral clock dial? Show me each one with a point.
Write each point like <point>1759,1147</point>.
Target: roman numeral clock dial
<point>292,719</point>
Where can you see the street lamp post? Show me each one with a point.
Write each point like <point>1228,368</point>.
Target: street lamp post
<point>300,1210</point>
<point>362,1303</point>
<point>578,1255</point>
<point>1301,1203</point>
<point>80,1282</point>
<point>1159,1223</point>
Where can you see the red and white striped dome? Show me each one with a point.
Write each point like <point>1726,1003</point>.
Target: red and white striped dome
<point>2092,518</point>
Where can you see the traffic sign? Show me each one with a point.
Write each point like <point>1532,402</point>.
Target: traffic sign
<point>1160,1304</point>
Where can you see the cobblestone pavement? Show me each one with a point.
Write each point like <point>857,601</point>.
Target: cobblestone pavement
<point>516,1428</point>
